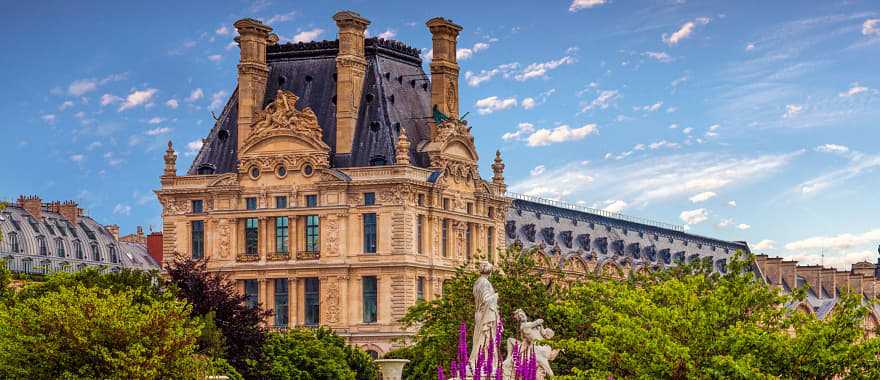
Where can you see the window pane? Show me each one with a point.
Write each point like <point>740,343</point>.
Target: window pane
<point>198,239</point>
<point>444,241</point>
<point>281,302</point>
<point>281,233</point>
<point>251,293</point>
<point>280,202</point>
<point>197,206</point>
<point>313,234</point>
<point>251,233</point>
<point>420,221</point>
<point>370,233</point>
<point>369,285</point>
<point>369,199</point>
<point>251,203</point>
<point>311,200</point>
<point>420,289</point>
<point>312,297</point>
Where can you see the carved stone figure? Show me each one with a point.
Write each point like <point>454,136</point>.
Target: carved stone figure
<point>223,233</point>
<point>531,334</point>
<point>486,314</point>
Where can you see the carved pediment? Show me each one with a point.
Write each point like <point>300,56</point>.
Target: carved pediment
<point>280,127</point>
<point>452,151</point>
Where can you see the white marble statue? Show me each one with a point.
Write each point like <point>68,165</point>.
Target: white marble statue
<point>531,333</point>
<point>485,315</point>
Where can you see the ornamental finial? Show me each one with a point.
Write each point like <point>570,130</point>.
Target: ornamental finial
<point>170,161</point>
<point>498,169</point>
<point>402,148</point>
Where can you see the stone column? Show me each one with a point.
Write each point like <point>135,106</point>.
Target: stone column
<point>292,299</point>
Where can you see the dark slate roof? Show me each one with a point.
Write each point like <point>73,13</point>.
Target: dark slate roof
<point>59,232</point>
<point>397,94</point>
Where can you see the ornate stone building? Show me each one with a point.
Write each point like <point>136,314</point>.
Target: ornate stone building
<point>339,187</point>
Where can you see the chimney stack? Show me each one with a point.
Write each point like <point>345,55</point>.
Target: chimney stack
<point>113,229</point>
<point>253,72</point>
<point>351,66</point>
<point>32,204</point>
<point>444,66</point>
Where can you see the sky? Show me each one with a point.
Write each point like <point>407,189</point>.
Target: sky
<point>753,121</point>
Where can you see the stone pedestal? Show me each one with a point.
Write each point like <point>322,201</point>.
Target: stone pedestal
<point>392,369</point>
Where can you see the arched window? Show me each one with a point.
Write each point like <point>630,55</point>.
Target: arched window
<point>113,257</point>
<point>13,242</point>
<point>45,266</point>
<point>27,265</point>
<point>96,254</point>
<point>59,248</point>
<point>41,245</point>
<point>78,247</point>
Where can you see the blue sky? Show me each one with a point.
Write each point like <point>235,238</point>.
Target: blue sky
<point>750,120</point>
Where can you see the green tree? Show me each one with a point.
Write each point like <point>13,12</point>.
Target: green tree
<point>688,324</point>
<point>314,354</point>
<point>85,332</point>
<point>520,283</point>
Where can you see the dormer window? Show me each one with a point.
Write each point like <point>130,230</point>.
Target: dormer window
<point>96,254</point>
<point>77,246</point>
<point>206,169</point>
<point>114,258</point>
<point>13,242</point>
<point>59,248</point>
<point>281,171</point>
<point>41,245</point>
<point>307,170</point>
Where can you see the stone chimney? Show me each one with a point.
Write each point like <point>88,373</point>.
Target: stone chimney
<point>253,72</point>
<point>829,282</point>
<point>813,275</point>
<point>32,204</point>
<point>788,273</point>
<point>444,66</point>
<point>351,66</point>
<point>113,229</point>
<point>863,268</point>
<point>70,211</point>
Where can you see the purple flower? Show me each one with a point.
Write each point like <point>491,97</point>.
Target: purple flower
<point>478,373</point>
<point>440,375</point>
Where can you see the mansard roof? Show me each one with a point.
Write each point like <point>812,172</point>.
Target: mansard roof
<point>24,230</point>
<point>397,94</point>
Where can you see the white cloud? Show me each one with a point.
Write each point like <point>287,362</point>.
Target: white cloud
<point>855,89</point>
<point>859,163</point>
<point>539,70</point>
<point>94,145</point>
<point>650,107</point>
<point>195,95</point>
<point>658,56</point>
<point>870,27</point>
<point>121,209</point>
<point>832,148</point>
<point>82,86</point>
<point>743,226</point>
<point>562,133</point>
<point>694,216</point>
<point>308,35</point>
<point>492,104</point>
<point>614,206</point>
<point>155,120</point>
<point>215,57</point>
<point>157,131</point>
<point>687,130</point>
<point>222,31</point>
<point>108,99</point>
<point>465,53</point>
<point>49,118</point>
<point>684,31</point>
<point>577,5</point>
<point>137,98</point>
<point>279,18</point>
<point>792,110</point>
<point>77,157</point>
<point>388,34</point>
<point>724,223</point>
<point>604,100</point>
<point>522,130</point>
<point>653,178</point>
<point>193,147</point>
<point>218,99</point>
<point>475,79</point>
<point>528,103</point>
<point>750,46</point>
<point>702,197</point>
<point>538,170</point>
<point>172,103</point>
<point>837,242</point>
<point>765,244</point>
<point>663,144</point>
<point>731,203</point>
<point>67,104</point>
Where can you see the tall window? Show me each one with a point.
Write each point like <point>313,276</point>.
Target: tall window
<point>250,203</point>
<point>41,244</point>
<point>281,299</point>
<point>490,243</point>
<point>420,199</point>
<point>78,247</point>
<point>469,240</point>
<point>198,239</point>
<point>370,301</point>
<point>59,248</point>
<point>251,234</point>
<point>420,225</point>
<point>370,233</point>
<point>96,254</point>
<point>13,242</point>
<point>420,288</point>
<point>281,202</point>
<point>312,297</point>
<point>281,232</point>
<point>311,200</point>
<point>444,241</point>
<point>198,206</point>
<point>369,199</point>
<point>491,212</point>
<point>251,293</point>
<point>446,203</point>
<point>114,258</point>
<point>470,207</point>
<point>313,233</point>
